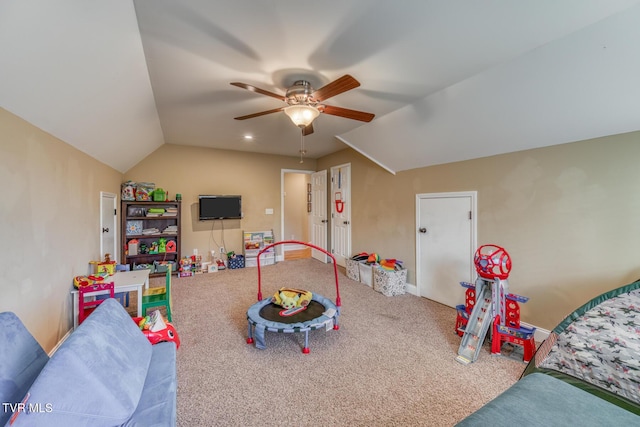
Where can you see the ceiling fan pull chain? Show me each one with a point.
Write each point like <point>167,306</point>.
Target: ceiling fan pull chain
<point>302,150</point>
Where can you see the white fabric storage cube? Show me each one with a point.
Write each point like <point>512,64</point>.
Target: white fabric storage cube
<point>366,274</point>
<point>353,271</point>
<point>390,282</point>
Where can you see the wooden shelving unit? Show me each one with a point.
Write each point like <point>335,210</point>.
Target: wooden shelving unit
<point>136,217</point>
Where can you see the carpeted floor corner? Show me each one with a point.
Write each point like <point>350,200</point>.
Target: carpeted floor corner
<point>391,363</point>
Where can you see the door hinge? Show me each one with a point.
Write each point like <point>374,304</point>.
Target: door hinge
<point>115,212</point>
<point>470,215</point>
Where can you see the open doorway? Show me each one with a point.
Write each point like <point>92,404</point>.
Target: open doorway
<point>295,204</point>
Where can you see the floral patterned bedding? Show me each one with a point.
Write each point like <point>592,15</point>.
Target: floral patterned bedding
<point>602,346</point>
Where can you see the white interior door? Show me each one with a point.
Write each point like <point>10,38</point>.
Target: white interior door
<point>445,244</point>
<point>319,214</point>
<point>341,213</point>
<point>108,225</point>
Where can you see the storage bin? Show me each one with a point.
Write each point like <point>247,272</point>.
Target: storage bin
<point>390,282</point>
<point>162,266</point>
<point>353,270</point>
<point>236,261</point>
<point>144,267</point>
<point>366,274</point>
<point>159,195</point>
<point>144,191</point>
<point>128,190</point>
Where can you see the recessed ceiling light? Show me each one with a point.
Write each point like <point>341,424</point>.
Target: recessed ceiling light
<point>248,137</point>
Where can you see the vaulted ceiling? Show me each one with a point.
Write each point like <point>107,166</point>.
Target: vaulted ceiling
<point>446,80</point>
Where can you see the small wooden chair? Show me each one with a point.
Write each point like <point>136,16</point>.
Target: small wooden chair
<point>85,308</point>
<point>158,296</point>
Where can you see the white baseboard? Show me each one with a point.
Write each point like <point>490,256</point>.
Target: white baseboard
<point>412,289</point>
<point>539,335</point>
<point>294,247</point>
<point>54,349</point>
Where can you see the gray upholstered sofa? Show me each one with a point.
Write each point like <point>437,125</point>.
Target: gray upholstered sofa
<point>105,374</point>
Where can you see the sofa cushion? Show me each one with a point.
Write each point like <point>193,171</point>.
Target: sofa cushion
<point>157,405</point>
<point>21,360</point>
<point>96,377</point>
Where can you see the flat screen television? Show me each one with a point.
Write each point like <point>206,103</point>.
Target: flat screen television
<point>220,207</point>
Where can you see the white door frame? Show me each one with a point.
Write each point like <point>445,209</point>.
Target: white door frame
<point>346,197</point>
<point>474,228</point>
<point>280,248</point>
<point>114,226</point>
<point>319,221</point>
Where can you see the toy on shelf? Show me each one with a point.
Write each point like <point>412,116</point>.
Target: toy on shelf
<point>185,267</point>
<point>162,245</point>
<point>171,246</point>
<point>488,303</point>
<point>196,263</point>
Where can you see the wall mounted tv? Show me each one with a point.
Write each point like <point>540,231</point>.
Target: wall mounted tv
<point>220,207</point>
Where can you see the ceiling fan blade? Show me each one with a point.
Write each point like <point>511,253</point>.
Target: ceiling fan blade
<point>262,113</point>
<point>307,130</point>
<point>345,112</point>
<point>258,90</point>
<point>334,88</point>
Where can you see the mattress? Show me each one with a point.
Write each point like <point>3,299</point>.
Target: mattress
<point>542,400</point>
<point>597,348</point>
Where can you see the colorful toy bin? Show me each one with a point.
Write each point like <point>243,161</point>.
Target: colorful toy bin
<point>236,261</point>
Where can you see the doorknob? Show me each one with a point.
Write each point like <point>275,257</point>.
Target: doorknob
<point>105,230</point>
<point>422,230</point>
<point>345,222</point>
<point>324,221</point>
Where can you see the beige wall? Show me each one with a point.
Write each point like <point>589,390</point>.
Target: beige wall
<point>192,171</point>
<point>50,221</point>
<point>569,216</point>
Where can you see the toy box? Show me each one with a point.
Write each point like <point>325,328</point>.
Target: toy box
<point>128,190</point>
<point>390,282</point>
<point>353,271</point>
<point>366,274</point>
<point>237,261</point>
<point>144,267</point>
<point>159,195</point>
<point>163,266</point>
<point>144,190</point>
<point>106,267</point>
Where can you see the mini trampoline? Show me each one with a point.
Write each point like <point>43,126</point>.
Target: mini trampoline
<point>266,316</point>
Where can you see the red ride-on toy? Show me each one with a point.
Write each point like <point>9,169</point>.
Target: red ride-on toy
<point>157,330</point>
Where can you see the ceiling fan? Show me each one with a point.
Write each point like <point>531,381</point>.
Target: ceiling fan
<point>306,103</point>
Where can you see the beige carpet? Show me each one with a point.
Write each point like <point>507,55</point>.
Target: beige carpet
<point>391,363</point>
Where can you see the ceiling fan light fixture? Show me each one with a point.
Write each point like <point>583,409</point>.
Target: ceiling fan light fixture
<point>302,115</point>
